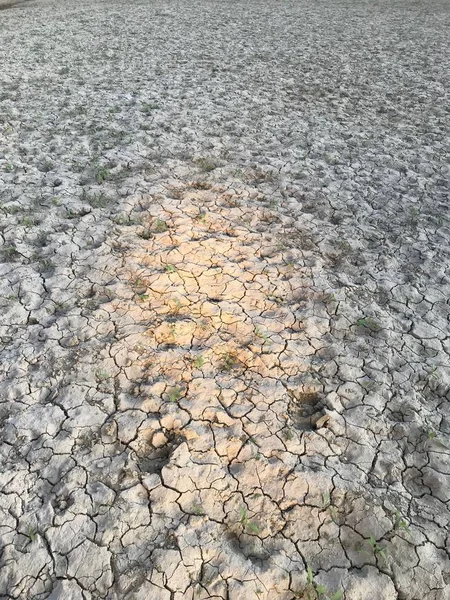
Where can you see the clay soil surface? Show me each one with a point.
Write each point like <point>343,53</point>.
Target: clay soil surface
<point>224,300</point>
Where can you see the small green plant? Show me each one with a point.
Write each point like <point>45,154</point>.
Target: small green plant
<point>229,361</point>
<point>326,595</point>
<point>102,375</point>
<point>9,168</point>
<point>400,523</point>
<point>174,394</point>
<point>172,329</point>
<point>61,308</point>
<point>197,509</point>
<point>138,282</point>
<point>316,591</point>
<point>378,551</point>
<point>56,201</point>
<point>170,269</point>
<point>199,362</point>
<point>433,374</point>
<point>413,216</point>
<point>176,306</point>
<point>431,379</point>
<point>249,526</point>
<point>334,514</point>
<point>369,323</point>
<point>31,533</point>
<point>260,334</point>
<point>160,226</point>
<point>326,500</point>
<point>287,435</point>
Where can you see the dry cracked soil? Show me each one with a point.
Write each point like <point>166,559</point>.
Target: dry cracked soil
<point>224,300</point>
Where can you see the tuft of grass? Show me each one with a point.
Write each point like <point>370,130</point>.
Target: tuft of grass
<point>9,253</point>
<point>229,361</point>
<point>97,200</point>
<point>28,222</point>
<point>207,164</point>
<point>170,269</point>
<point>13,209</point>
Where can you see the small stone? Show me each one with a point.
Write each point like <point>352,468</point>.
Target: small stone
<point>159,439</point>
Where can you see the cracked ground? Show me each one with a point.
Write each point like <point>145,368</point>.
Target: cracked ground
<point>224,300</point>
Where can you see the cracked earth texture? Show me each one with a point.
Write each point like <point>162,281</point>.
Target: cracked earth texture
<point>224,331</point>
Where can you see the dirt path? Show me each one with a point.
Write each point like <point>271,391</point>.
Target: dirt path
<point>224,301</point>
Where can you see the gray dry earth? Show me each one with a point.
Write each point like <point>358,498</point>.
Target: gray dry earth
<point>224,300</point>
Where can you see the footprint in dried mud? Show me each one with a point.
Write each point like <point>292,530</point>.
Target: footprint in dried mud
<point>306,410</point>
<point>11,4</point>
<point>157,458</point>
